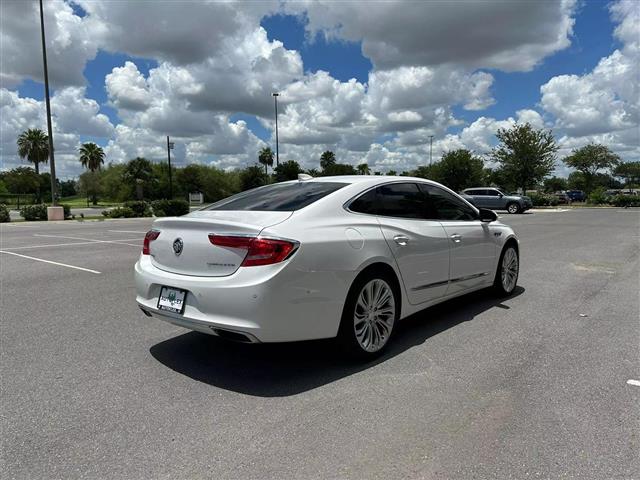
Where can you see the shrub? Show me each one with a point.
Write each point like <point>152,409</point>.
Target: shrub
<point>120,212</point>
<point>67,211</point>
<point>34,212</point>
<point>4,213</point>
<point>139,208</point>
<point>598,197</point>
<point>542,200</point>
<point>625,201</point>
<point>170,208</point>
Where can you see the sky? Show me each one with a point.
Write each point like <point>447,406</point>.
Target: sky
<point>371,81</point>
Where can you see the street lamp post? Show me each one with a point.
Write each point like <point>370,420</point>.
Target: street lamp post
<point>430,148</point>
<point>170,146</point>
<point>52,161</point>
<point>275,101</point>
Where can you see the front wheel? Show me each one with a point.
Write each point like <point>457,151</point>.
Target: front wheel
<point>508,270</point>
<point>513,208</point>
<point>369,317</point>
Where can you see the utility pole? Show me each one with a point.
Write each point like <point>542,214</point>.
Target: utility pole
<point>52,161</point>
<point>430,149</point>
<point>170,146</point>
<point>275,100</point>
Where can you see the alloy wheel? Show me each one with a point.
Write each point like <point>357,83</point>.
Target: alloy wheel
<point>509,269</point>
<point>374,315</point>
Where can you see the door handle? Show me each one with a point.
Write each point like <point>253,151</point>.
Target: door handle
<point>456,238</point>
<point>401,240</point>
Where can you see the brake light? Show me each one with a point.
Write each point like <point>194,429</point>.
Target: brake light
<point>148,238</point>
<point>260,251</point>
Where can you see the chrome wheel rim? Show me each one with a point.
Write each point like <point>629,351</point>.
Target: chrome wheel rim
<point>509,269</point>
<point>374,315</point>
<point>513,208</point>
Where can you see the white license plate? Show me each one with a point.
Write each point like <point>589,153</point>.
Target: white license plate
<point>172,299</point>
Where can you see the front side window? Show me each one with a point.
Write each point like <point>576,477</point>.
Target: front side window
<point>279,197</point>
<point>442,205</point>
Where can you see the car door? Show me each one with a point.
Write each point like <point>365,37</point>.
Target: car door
<point>493,199</point>
<point>473,248</point>
<point>420,246</point>
<point>479,197</point>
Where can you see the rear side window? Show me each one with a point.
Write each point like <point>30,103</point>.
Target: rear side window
<point>365,203</point>
<point>279,197</point>
<point>442,205</point>
<point>402,200</point>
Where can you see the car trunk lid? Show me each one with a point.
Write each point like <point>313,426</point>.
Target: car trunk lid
<point>183,246</point>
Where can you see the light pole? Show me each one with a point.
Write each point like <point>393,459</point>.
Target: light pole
<point>275,102</point>
<point>52,161</point>
<point>430,148</point>
<point>170,146</point>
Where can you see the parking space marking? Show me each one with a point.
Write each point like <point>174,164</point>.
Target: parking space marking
<point>634,382</point>
<point>53,245</point>
<point>93,240</point>
<point>53,263</point>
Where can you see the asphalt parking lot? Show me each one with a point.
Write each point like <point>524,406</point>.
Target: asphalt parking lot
<point>534,386</point>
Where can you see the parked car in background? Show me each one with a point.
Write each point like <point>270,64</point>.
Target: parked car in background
<point>483,197</point>
<point>344,256</point>
<point>563,198</point>
<point>576,195</point>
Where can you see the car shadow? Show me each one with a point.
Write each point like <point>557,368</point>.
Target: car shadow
<point>283,369</point>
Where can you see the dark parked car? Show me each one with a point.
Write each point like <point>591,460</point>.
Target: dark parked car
<point>483,197</point>
<point>576,195</point>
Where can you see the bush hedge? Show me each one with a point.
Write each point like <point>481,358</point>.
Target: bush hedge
<point>598,197</point>
<point>4,213</point>
<point>140,208</point>
<point>542,200</point>
<point>625,201</point>
<point>120,212</point>
<point>170,208</point>
<point>34,212</point>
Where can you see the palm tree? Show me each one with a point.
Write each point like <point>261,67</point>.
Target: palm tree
<point>363,169</point>
<point>265,157</point>
<point>91,156</point>
<point>33,144</point>
<point>327,160</point>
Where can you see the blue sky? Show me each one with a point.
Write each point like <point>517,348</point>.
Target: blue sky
<point>458,71</point>
<point>592,39</point>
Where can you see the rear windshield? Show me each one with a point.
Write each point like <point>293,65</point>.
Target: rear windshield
<point>279,197</point>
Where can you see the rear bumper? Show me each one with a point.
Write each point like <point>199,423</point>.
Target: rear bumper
<point>275,303</point>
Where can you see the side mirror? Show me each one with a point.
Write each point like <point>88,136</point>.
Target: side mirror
<point>487,215</point>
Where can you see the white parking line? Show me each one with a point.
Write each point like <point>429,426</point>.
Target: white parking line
<point>49,261</point>
<point>56,245</point>
<point>634,382</point>
<point>93,240</point>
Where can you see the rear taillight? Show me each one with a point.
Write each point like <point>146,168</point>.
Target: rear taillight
<point>260,251</point>
<point>148,238</point>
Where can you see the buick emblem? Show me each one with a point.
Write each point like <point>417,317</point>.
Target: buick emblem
<point>177,246</point>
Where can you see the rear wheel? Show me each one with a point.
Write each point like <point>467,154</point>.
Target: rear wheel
<point>513,208</point>
<point>508,270</point>
<point>369,316</point>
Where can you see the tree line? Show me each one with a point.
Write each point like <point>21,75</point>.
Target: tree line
<point>524,158</point>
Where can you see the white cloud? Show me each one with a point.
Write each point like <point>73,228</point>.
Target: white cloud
<point>70,43</point>
<point>604,104</point>
<point>511,36</point>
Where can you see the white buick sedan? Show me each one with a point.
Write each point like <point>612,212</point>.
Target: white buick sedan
<point>344,257</point>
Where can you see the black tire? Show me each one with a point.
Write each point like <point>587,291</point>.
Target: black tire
<point>499,286</point>
<point>347,339</point>
<point>514,208</point>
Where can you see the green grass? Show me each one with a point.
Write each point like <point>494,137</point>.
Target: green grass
<point>81,202</point>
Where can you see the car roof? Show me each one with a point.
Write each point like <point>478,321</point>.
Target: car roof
<point>368,179</point>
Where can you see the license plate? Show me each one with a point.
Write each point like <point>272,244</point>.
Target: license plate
<point>172,299</point>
